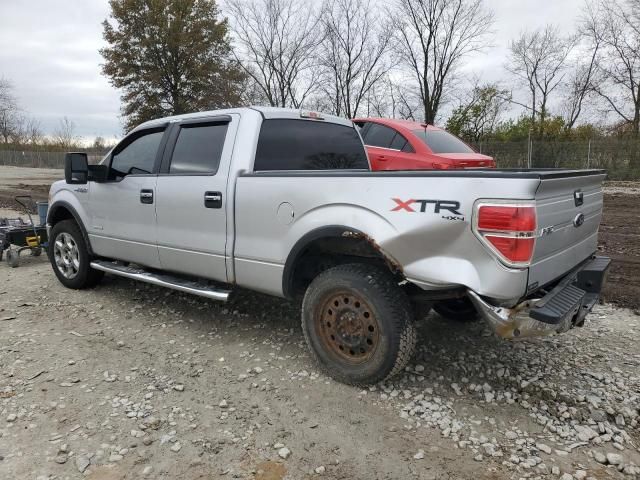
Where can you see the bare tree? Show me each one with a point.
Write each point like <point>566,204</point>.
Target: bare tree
<point>65,134</point>
<point>353,52</point>
<point>9,111</point>
<point>433,36</point>
<point>277,40</point>
<point>617,27</point>
<point>539,60</point>
<point>584,76</point>
<point>33,132</point>
<point>579,86</point>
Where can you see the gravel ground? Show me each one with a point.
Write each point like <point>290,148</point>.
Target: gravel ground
<point>133,381</point>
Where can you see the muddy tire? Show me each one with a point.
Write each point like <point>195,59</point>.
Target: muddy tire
<point>70,257</point>
<point>457,309</point>
<point>358,324</point>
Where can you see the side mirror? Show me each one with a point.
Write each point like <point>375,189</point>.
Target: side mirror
<point>76,168</point>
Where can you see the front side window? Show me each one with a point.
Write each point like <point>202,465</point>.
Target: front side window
<point>198,149</point>
<point>136,155</point>
<point>440,141</point>
<point>286,144</point>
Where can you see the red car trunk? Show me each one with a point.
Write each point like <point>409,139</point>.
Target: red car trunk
<point>406,145</point>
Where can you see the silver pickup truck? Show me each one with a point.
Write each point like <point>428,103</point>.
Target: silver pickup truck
<point>283,202</point>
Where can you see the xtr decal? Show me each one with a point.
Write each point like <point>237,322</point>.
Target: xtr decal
<point>452,207</point>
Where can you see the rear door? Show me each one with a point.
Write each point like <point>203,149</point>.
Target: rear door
<point>192,204</point>
<point>569,210</point>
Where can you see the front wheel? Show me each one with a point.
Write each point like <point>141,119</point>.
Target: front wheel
<point>358,324</point>
<point>70,257</point>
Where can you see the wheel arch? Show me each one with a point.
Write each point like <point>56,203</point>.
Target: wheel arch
<point>334,244</point>
<point>62,210</point>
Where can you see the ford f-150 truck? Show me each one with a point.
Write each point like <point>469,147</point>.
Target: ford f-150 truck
<point>283,202</point>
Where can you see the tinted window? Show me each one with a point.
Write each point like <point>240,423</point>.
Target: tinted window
<point>400,143</point>
<point>379,136</point>
<point>198,149</point>
<point>440,141</point>
<point>308,145</point>
<point>137,155</point>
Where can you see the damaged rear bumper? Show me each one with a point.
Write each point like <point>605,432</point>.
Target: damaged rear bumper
<point>564,307</point>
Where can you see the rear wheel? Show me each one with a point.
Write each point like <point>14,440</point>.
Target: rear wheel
<point>70,257</point>
<point>458,309</point>
<point>358,324</point>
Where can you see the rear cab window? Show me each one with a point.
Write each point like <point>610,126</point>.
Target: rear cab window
<point>440,141</point>
<point>292,144</point>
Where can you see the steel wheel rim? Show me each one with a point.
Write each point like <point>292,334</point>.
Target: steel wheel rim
<point>347,327</point>
<point>66,255</point>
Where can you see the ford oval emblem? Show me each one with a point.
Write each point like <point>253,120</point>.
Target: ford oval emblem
<point>579,220</point>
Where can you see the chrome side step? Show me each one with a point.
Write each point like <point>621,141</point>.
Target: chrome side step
<point>163,280</point>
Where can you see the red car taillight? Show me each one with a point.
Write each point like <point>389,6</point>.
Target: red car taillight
<point>508,230</point>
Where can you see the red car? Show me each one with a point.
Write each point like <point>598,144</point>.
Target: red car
<point>407,145</point>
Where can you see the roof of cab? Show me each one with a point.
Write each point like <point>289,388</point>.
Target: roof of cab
<point>266,112</point>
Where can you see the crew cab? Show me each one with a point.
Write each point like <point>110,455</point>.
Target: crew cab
<point>395,144</point>
<point>284,202</point>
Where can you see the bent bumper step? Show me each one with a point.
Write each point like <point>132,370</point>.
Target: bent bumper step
<point>163,280</point>
<point>564,307</point>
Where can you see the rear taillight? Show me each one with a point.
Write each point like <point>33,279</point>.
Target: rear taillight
<point>509,230</point>
<point>446,166</point>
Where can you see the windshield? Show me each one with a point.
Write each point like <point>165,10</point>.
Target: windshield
<point>440,141</point>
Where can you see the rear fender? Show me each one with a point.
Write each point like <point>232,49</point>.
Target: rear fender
<point>363,224</point>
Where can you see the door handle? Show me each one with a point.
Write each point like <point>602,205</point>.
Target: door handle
<point>382,158</point>
<point>212,199</point>
<point>146,196</point>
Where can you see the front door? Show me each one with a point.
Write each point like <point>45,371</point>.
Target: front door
<point>123,209</point>
<point>192,199</point>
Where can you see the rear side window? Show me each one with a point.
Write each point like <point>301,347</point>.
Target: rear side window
<point>379,136</point>
<point>137,154</point>
<point>308,145</point>
<point>401,143</point>
<point>440,141</point>
<point>198,149</point>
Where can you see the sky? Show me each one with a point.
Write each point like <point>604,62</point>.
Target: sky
<point>49,52</point>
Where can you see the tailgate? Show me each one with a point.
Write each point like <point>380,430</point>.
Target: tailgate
<point>569,209</point>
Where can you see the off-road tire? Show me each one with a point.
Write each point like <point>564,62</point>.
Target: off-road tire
<point>457,309</point>
<point>86,276</point>
<point>389,307</point>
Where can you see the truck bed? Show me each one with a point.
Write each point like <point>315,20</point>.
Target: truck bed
<point>437,249</point>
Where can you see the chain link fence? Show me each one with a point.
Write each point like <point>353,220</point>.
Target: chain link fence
<point>621,158</point>
<point>37,159</point>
